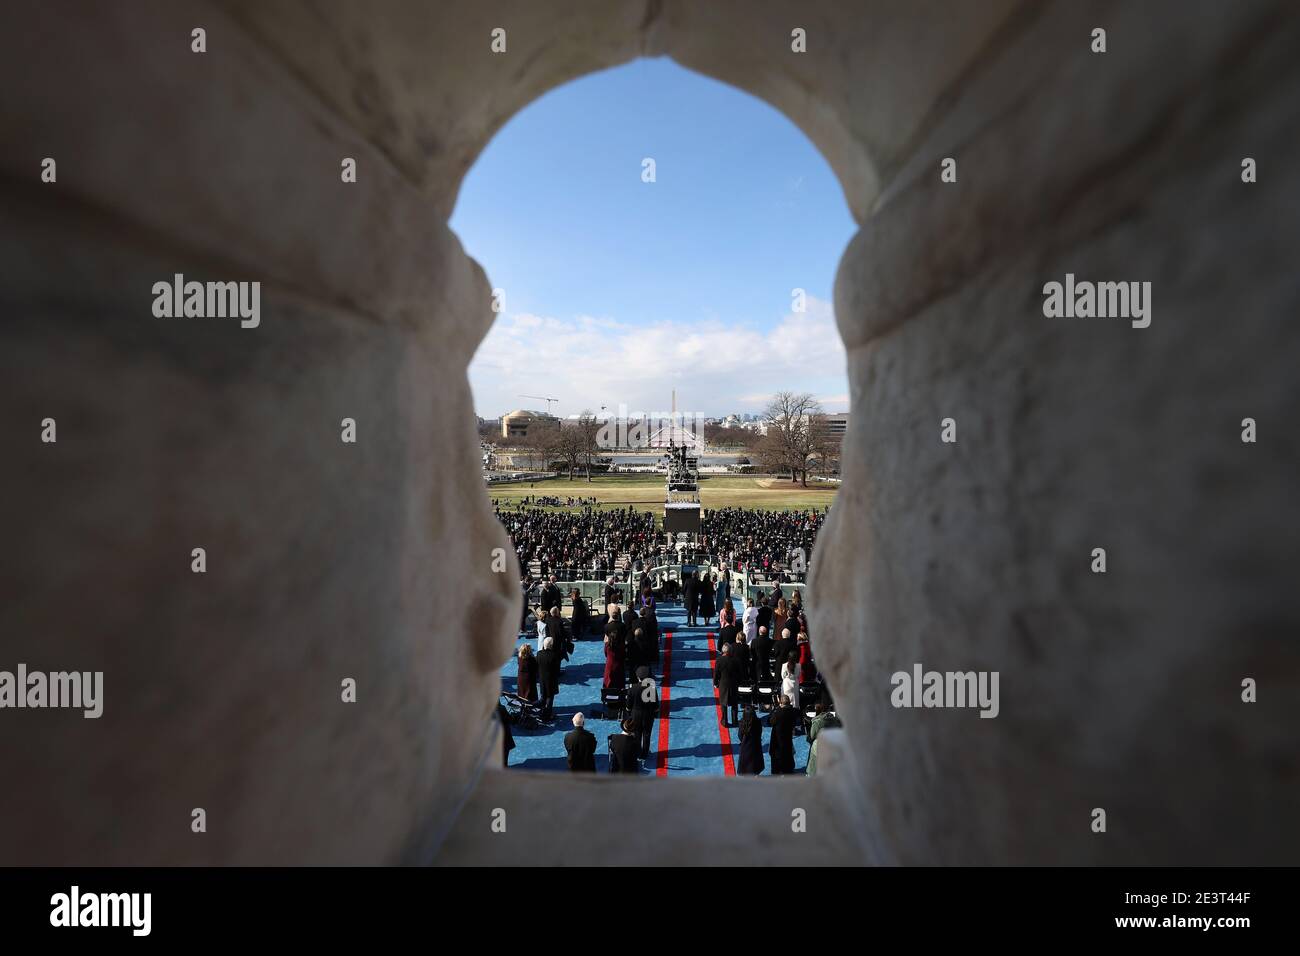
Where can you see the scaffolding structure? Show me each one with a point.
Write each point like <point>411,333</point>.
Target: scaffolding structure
<point>682,494</point>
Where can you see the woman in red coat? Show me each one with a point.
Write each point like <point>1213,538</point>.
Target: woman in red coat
<point>615,657</point>
<point>807,672</point>
<point>526,683</point>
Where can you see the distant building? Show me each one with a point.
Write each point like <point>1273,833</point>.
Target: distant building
<point>525,421</point>
<point>837,425</point>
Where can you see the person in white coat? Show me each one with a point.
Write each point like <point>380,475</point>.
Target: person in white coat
<point>790,683</point>
<point>749,621</point>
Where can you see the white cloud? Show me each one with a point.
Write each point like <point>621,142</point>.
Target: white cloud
<point>716,368</point>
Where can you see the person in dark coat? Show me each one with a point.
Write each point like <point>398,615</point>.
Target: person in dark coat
<point>651,623</point>
<point>751,744</point>
<point>581,615</point>
<point>580,745</point>
<point>764,613</point>
<point>551,596</point>
<point>548,676</point>
<point>623,751</point>
<point>507,738</point>
<point>740,651</point>
<point>643,705</point>
<point>706,599</point>
<point>526,681</point>
<point>726,678</point>
<point>647,648</point>
<point>616,620</point>
<point>555,628</point>
<point>692,595</point>
<point>631,650</point>
<point>530,622</point>
<point>762,653</point>
<point>782,648</point>
<point>727,635</point>
<point>781,746</point>
<point>525,585</point>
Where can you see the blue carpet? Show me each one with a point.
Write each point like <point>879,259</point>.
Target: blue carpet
<point>694,742</point>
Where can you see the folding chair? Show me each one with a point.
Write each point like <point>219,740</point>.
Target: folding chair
<point>745,695</point>
<point>614,703</point>
<point>523,713</point>
<point>809,695</point>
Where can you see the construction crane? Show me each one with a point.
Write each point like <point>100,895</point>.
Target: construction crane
<point>542,398</point>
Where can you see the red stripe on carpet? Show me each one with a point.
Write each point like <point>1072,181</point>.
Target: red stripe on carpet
<point>661,756</point>
<point>728,765</point>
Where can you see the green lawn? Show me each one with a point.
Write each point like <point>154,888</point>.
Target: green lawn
<point>646,492</point>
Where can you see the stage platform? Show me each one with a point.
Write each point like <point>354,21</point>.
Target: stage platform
<point>688,739</point>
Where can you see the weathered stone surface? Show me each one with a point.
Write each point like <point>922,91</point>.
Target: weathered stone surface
<point>1122,690</point>
<point>329,560</point>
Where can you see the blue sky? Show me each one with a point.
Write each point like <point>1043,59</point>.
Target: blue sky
<point>624,289</point>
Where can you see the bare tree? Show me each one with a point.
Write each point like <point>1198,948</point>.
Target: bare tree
<point>589,429</point>
<point>771,455</point>
<point>823,446</point>
<point>538,447</point>
<point>797,427</point>
<point>569,446</point>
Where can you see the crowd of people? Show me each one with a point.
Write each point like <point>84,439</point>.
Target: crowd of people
<point>579,544</point>
<point>764,662</point>
<point>592,543</point>
<point>548,501</point>
<point>746,538</point>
